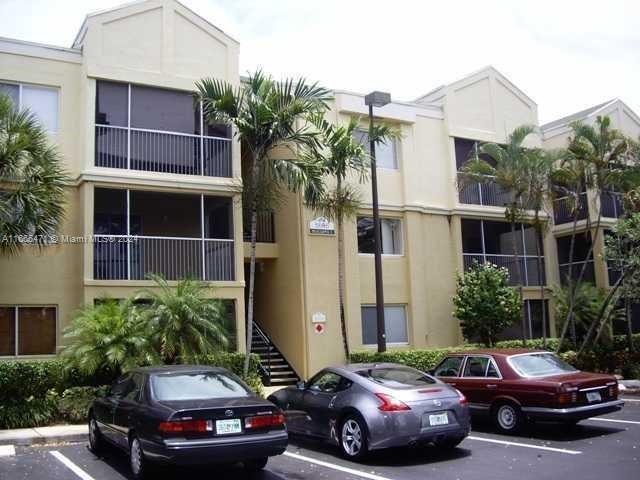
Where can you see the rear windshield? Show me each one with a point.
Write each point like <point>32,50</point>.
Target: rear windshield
<point>394,377</point>
<point>196,386</point>
<point>540,365</point>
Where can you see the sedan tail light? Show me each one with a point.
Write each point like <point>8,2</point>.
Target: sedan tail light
<point>264,421</point>
<point>613,389</point>
<point>391,404</point>
<point>176,427</point>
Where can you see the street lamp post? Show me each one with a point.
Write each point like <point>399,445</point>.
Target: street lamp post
<point>377,99</point>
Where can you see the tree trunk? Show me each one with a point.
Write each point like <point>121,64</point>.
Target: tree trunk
<point>627,312</point>
<point>252,265</point>
<point>540,277</point>
<point>514,245</point>
<point>343,320</point>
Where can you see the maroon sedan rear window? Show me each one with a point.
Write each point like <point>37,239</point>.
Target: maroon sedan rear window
<point>540,365</point>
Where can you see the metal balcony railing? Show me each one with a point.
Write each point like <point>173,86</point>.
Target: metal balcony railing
<point>487,194</point>
<point>611,205</point>
<point>564,210</point>
<point>121,257</point>
<point>160,151</point>
<point>264,227</point>
<point>528,266</point>
<point>567,270</point>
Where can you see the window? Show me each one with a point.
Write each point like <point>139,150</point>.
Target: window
<point>41,101</point>
<point>395,322</point>
<point>397,377</point>
<point>449,367</point>
<point>136,387</point>
<point>26,330</point>
<point>391,232</point>
<point>197,386</point>
<point>385,152</point>
<point>326,382</point>
<point>569,269</point>
<point>540,365</point>
<point>492,241</point>
<point>532,316</point>
<point>475,367</point>
<point>121,387</point>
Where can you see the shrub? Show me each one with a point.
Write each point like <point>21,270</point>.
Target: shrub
<point>31,411</point>
<point>423,360</point>
<point>484,302</point>
<point>74,402</point>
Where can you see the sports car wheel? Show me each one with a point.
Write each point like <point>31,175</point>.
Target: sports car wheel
<point>353,438</point>
<point>508,417</point>
<point>96,442</point>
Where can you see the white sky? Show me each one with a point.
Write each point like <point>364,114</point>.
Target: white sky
<point>565,54</point>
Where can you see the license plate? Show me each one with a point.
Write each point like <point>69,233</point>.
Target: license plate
<point>440,419</point>
<point>594,397</point>
<point>224,427</point>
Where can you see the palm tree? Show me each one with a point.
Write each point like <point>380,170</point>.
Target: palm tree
<point>510,173</point>
<point>343,154</point>
<point>268,115</point>
<point>597,155</point>
<point>184,323</point>
<point>32,180</point>
<point>110,337</point>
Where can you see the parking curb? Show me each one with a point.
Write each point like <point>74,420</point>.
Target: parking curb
<point>44,435</point>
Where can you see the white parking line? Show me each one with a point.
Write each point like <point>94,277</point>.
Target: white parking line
<point>7,451</point>
<point>352,471</point>
<point>71,466</point>
<point>614,420</point>
<point>630,399</point>
<point>526,445</point>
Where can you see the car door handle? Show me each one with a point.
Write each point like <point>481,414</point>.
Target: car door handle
<point>492,386</point>
<point>452,384</point>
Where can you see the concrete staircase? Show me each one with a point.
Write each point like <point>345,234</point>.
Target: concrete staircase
<point>275,370</point>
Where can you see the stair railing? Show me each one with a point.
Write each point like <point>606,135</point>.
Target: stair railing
<point>269,345</point>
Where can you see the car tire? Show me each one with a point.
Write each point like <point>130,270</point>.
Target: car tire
<point>449,443</point>
<point>508,417</point>
<point>96,440</point>
<point>138,464</point>
<point>353,438</point>
<point>256,465</point>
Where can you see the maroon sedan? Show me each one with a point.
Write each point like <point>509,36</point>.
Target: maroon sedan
<point>513,385</point>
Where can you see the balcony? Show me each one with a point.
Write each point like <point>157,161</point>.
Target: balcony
<point>163,152</point>
<point>122,257</point>
<point>488,194</point>
<point>528,266</point>
<point>573,271</point>
<point>137,233</point>
<point>611,205</point>
<point>564,209</point>
<point>265,227</point>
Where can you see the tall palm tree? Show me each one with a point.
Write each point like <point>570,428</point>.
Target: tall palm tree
<point>509,171</point>
<point>185,323</point>
<point>32,180</point>
<point>600,153</point>
<point>267,115</point>
<point>343,154</point>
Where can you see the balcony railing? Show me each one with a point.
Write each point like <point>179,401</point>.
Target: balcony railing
<point>121,257</point>
<point>264,227</point>
<point>487,194</point>
<point>611,205</point>
<point>575,269</point>
<point>528,266</point>
<point>564,209</point>
<point>164,152</point>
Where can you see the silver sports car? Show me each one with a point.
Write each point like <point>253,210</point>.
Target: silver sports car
<point>364,407</point>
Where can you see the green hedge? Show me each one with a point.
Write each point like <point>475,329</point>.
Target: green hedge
<point>613,358</point>
<point>39,392</point>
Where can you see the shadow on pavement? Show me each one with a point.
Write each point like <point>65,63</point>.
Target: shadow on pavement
<point>119,462</point>
<point>557,432</point>
<point>401,456</point>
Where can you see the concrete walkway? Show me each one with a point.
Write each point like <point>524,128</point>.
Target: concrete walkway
<point>40,435</point>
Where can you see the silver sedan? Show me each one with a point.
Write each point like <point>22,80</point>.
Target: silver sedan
<point>364,407</point>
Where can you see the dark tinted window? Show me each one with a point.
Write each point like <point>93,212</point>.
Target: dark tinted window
<point>464,152</point>
<point>397,377</point>
<point>121,387</point>
<point>7,330</point>
<point>218,217</point>
<point>327,382</point>
<point>136,387</point>
<point>498,238</point>
<point>471,236</point>
<point>112,103</point>
<point>165,214</point>
<point>197,386</point>
<point>580,248</point>
<point>12,91</point>
<point>110,211</point>
<point>475,367</point>
<point>160,109</point>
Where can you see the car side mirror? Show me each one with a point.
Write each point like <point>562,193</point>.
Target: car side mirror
<point>300,385</point>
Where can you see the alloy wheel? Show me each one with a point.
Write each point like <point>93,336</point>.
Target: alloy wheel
<point>351,437</point>
<point>136,457</point>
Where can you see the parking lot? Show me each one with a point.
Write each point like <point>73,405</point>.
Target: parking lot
<point>599,448</point>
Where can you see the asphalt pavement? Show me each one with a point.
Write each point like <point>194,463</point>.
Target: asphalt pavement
<point>600,448</point>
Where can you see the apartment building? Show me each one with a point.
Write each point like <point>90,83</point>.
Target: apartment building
<point>159,191</point>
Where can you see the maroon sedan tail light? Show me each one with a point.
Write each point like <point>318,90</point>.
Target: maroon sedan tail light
<point>391,404</point>
<point>264,421</point>
<point>177,427</point>
<point>613,389</point>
